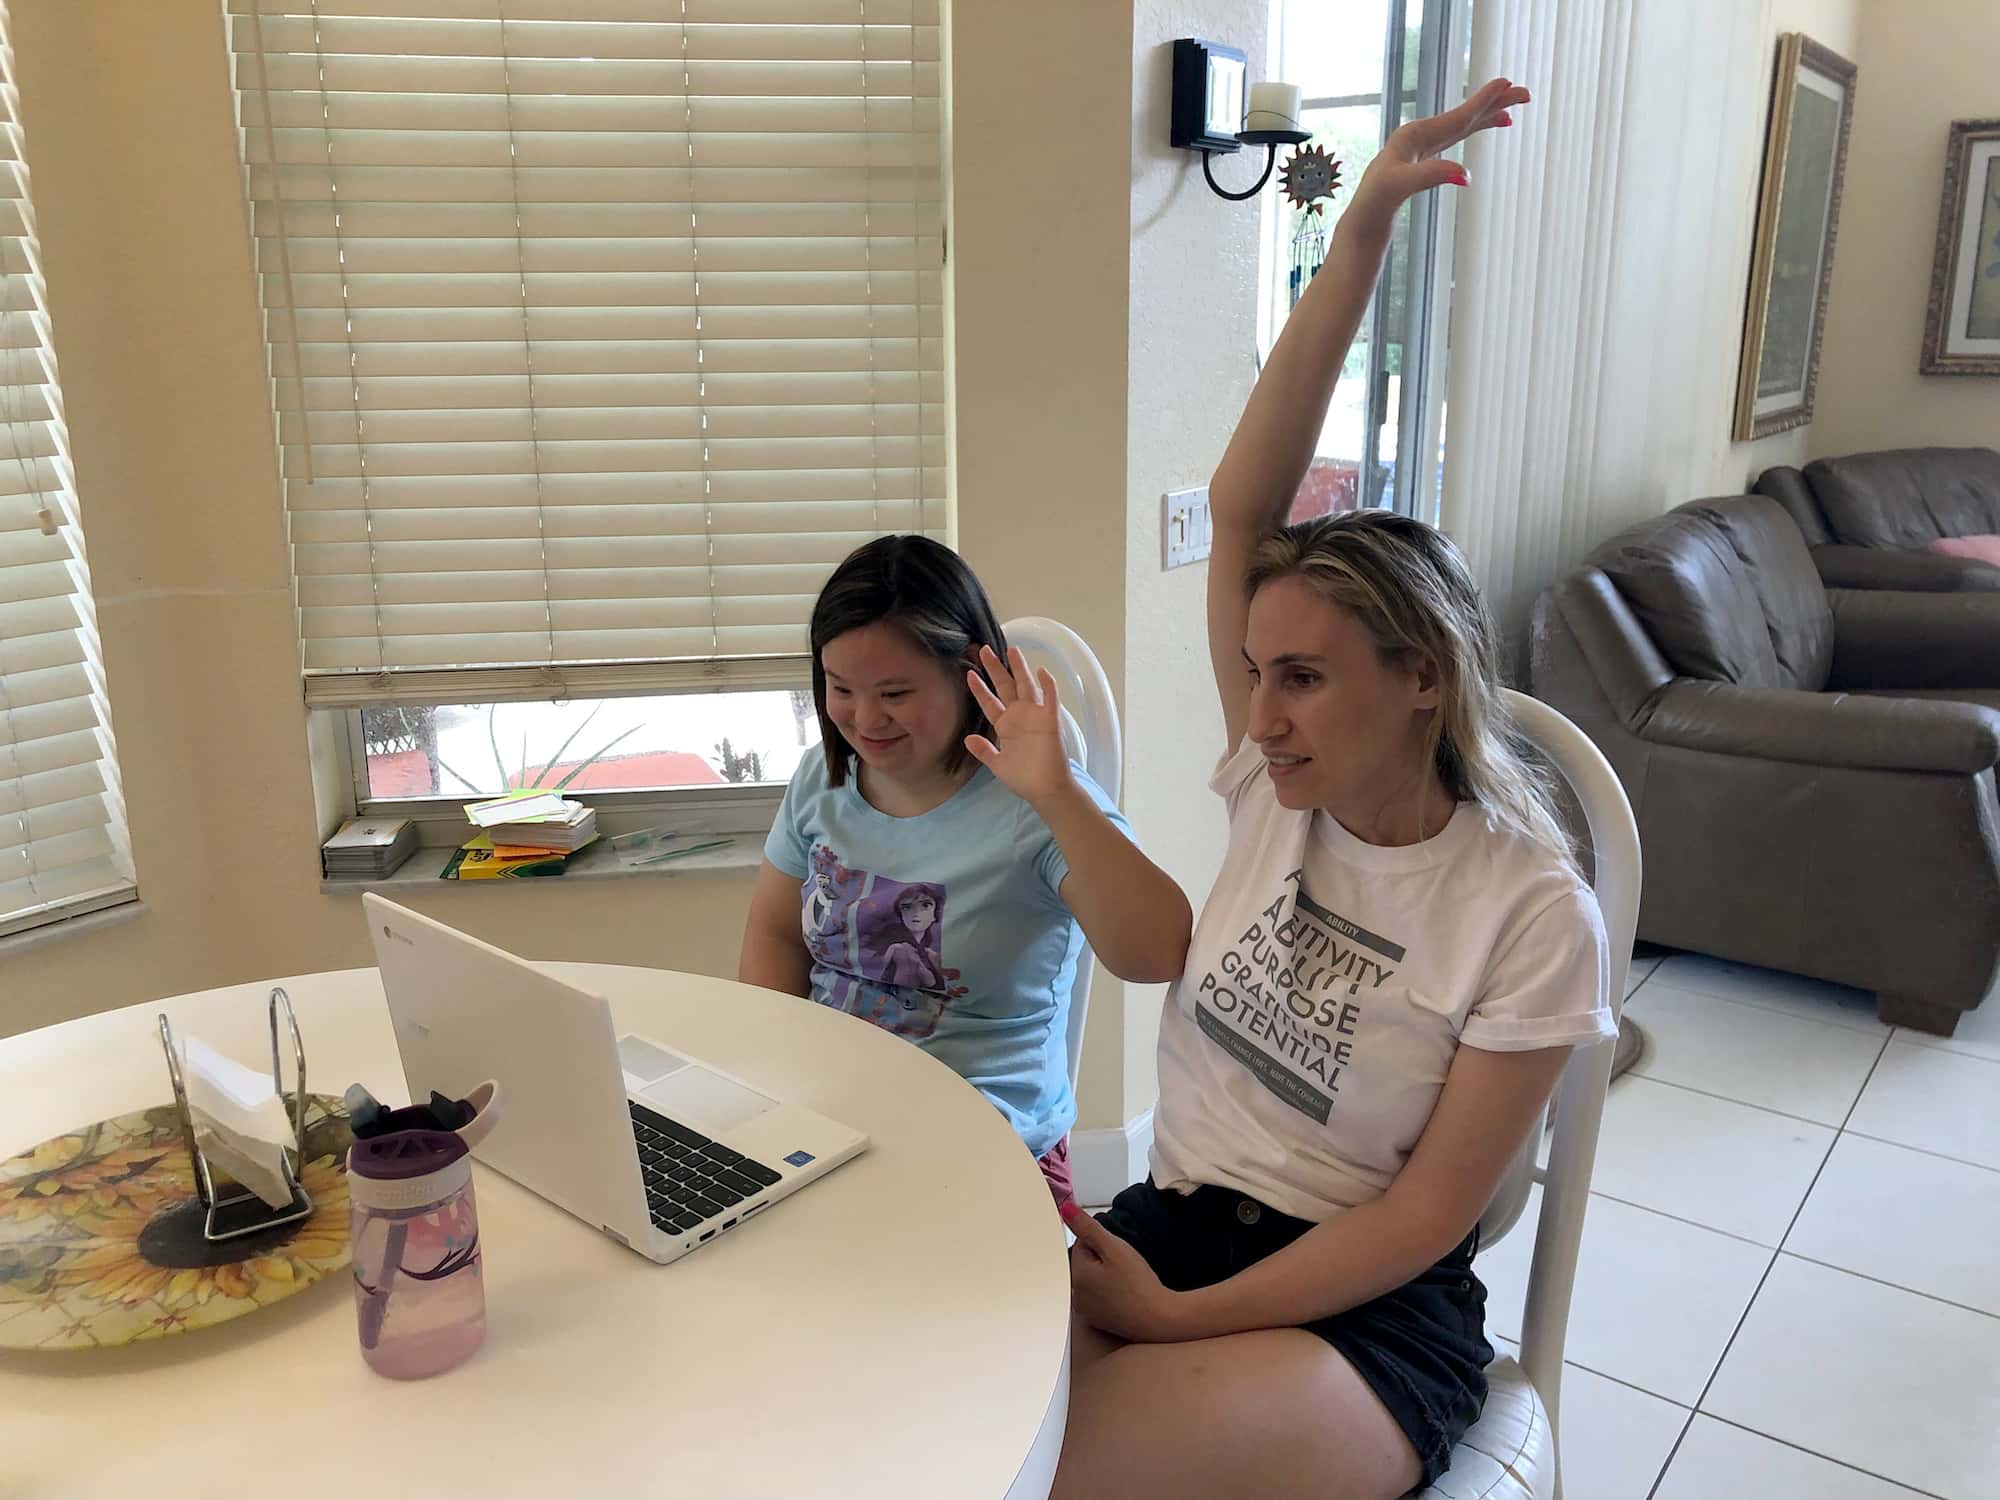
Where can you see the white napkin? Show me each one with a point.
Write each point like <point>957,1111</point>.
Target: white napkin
<point>239,1121</point>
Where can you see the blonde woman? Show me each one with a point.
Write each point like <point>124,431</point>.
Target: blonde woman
<point>1396,958</point>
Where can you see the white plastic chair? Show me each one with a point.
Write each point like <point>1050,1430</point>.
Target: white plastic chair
<point>1510,1454</point>
<point>1093,739</point>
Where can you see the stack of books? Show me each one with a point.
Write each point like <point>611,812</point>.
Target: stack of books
<point>522,834</point>
<point>368,848</point>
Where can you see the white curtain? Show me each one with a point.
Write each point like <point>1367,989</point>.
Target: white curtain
<point>1600,267</point>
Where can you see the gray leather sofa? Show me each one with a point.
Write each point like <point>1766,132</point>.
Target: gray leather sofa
<point>1868,517</point>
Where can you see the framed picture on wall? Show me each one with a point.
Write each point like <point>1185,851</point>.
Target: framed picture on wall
<point>1791,262</point>
<point>1962,324</point>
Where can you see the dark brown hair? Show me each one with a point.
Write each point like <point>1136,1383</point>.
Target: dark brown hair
<point>924,589</point>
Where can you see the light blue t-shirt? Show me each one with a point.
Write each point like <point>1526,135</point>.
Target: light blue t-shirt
<point>944,928</point>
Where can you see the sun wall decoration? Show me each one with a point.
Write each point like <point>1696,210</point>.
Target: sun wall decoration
<point>1309,178</point>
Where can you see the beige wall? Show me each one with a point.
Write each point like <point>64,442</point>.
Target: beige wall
<point>1924,63</point>
<point>1105,318</point>
<point>1192,339</point>
<point>1702,121</point>
<point>1039,281</point>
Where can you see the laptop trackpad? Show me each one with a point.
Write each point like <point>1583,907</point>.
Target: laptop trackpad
<point>686,1091</point>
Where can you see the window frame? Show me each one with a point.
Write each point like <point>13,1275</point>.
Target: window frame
<point>727,808</point>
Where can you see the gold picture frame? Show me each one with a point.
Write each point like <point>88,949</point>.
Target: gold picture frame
<point>1798,212</point>
<point>1962,321</point>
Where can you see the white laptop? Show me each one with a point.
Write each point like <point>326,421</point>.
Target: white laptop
<point>656,1149</point>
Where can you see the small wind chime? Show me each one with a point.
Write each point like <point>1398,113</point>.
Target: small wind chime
<point>1308,179</point>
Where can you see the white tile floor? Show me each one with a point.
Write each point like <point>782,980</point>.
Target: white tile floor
<point>1790,1282</point>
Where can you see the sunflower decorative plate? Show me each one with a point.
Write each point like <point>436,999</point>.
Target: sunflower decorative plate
<point>101,1242</point>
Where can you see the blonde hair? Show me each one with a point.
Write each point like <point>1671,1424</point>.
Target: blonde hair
<point>1408,586</point>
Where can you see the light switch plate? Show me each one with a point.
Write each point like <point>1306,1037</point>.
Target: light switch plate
<point>1185,528</point>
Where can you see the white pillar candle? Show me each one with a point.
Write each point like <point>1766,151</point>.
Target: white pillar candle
<point>1273,106</point>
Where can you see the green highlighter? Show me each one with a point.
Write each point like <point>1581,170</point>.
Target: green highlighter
<point>654,859</point>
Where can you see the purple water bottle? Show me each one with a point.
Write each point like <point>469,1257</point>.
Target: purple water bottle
<point>418,1293</point>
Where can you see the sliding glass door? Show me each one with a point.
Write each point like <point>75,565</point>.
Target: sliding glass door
<point>1365,69</point>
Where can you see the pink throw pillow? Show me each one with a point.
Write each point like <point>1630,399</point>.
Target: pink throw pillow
<point>1984,549</point>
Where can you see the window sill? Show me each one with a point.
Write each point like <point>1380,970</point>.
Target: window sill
<point>598,862</point>
<point>14,944</point>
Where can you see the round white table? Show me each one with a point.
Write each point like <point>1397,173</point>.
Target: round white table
<point>900,1327</point>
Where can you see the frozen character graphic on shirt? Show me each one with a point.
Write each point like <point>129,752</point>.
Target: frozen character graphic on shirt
<point>905,941</point>
<point>878,945</point>
<point>825,902</point>
<point>901,931</point>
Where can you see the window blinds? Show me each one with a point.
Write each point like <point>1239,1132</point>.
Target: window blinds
<point>600,330</point>
<point>62,842</point>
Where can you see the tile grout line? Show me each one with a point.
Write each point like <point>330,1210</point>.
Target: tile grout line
<point>1843,1128</point>
<point>1782,1114</point>
<point>1894,1286</point>
<point>1824,1458</point>
<point>1955,1045</point>
<point>1879,1032</point>
<point>1632,988</point>
<point>1883,1140</point>
<point>1667,1464</point>
<point>1736,1332</point>
<point>1630,1386</point>
<point>1941,1044</point>
<point>1877,1029</point>
<point>1647,1208</point>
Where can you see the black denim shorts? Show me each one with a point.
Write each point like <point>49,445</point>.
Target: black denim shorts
<point>1421,1348</point>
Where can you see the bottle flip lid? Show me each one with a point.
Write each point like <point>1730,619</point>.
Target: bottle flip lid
<point>404,1154</point>
<point>469,1119</point>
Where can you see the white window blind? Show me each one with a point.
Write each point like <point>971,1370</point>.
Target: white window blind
<point>600,330</point>
<point>62,840</point>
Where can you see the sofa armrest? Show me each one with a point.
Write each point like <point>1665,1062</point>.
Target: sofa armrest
<point>1844,567</point>
<point>1626,665</point>
<point>1826,729</point>
<point>1884,640</point>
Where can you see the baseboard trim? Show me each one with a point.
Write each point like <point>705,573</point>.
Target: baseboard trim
<point>1101,1162</point>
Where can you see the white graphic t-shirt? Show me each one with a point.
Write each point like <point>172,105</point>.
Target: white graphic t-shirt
<point>1331,981</point>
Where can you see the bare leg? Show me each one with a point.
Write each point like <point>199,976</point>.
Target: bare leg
<point>1087,1346</point>
<point>1273,1414</point>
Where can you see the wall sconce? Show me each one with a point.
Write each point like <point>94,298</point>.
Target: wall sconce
<point>1211,114</point>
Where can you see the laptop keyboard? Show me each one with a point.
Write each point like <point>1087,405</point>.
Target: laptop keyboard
<point>690,1178</point>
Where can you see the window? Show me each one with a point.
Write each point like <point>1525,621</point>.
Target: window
<point>62,823</point>
<point>1364,69</point>
<point>471,750</point>
<point>600,330</point>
